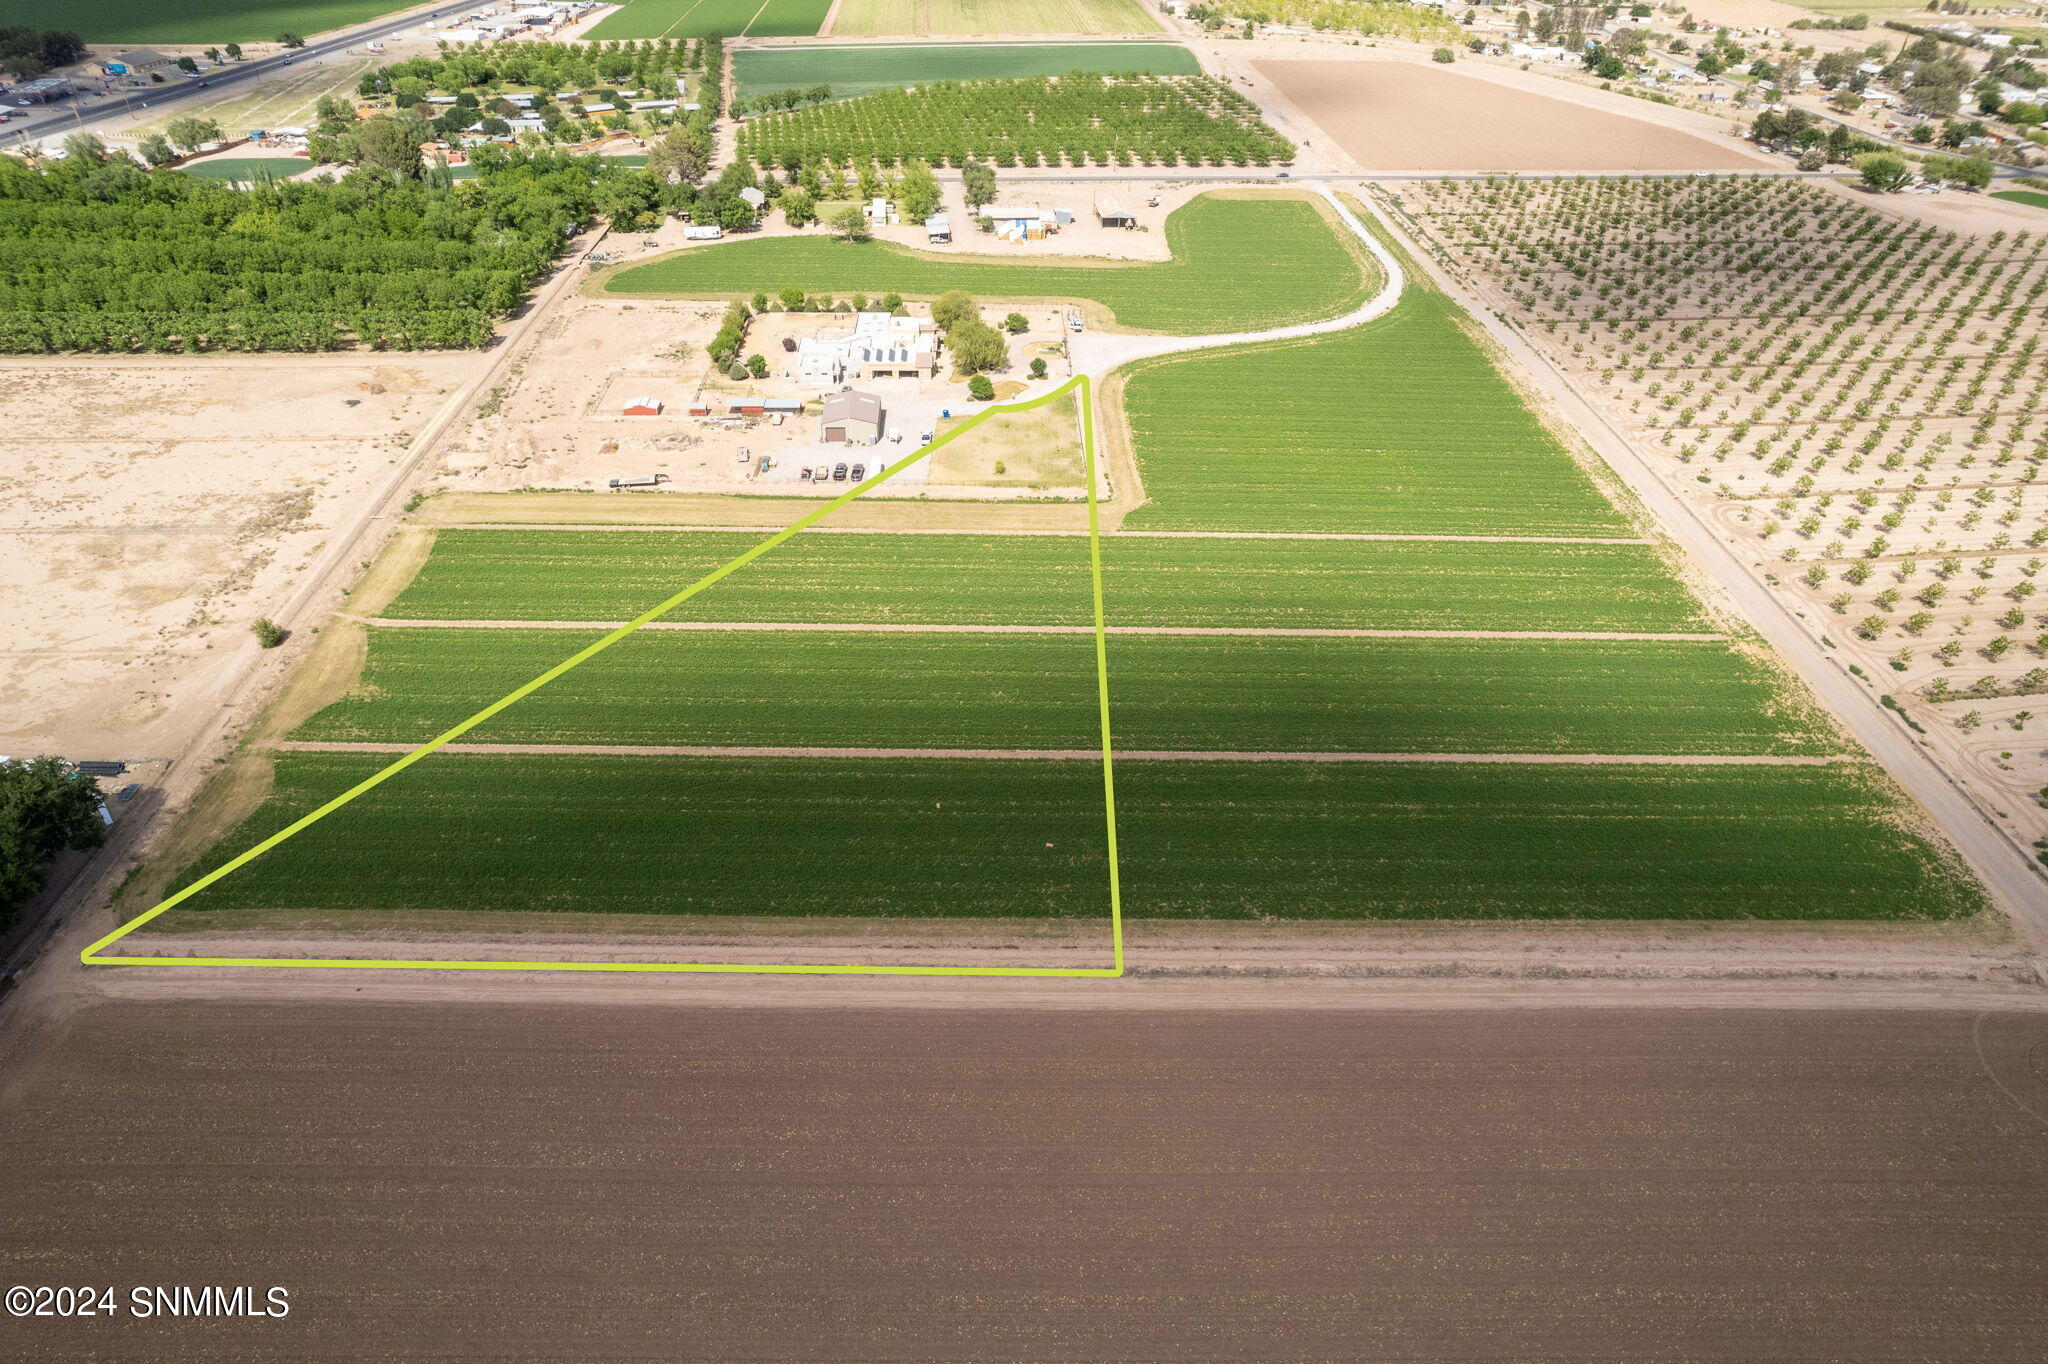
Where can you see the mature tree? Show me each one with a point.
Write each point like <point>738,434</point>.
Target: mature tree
<point>213,55</point>
<point>1972,172</point>
<point>188,66</point>
<point>980,389</point>
<point>851,224</point>
<point>917,194</point>
<point>736,214</point>
<point>1015,323</point>
<point>978,183</point>
<point>84,147</point>
<point>679,158</point>
<point>387,144</point>
<point>156,150</point>
<point>45,808</point>
<point>1885,172</point>
<point>234,51</point>
<point>290,39</point>
<point>334,115</point>
<point>191,131</point>
<point>799,209</point>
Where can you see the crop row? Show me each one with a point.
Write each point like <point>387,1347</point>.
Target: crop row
<point>546,575</point>
<point>1238,265</point>
<point>962,838</point>
<point>1030,121</point>
<point>1403,425</point>
<point>1217,693</point>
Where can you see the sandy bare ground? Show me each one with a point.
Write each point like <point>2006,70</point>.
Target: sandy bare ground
<point>151,508</point>
<point>1064,754</point>
<point>1400,116</point>
<point>525,1180</point>
<point>885,628</point>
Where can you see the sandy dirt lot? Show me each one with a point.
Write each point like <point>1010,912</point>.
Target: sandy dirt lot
<point>533,1181</point>
<point>1403,116</point>
<point>152,508</point>
<point>557,422</point>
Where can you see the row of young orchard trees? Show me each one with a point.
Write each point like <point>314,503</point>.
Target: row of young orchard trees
<point>1866,394</point>
<point>1076,119</point>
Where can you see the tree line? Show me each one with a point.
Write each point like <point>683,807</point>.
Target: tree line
<point>104,256</point>
<point>26,53</point>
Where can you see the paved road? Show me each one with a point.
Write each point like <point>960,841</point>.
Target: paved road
<point>71,116</point>
<point>603,1181</point>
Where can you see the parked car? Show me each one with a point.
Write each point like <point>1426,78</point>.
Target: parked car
<point>860,471</point>
<point>839,473</point>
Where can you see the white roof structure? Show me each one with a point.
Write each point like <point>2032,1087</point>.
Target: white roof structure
<point>755,198</point>
<point>821,360</point>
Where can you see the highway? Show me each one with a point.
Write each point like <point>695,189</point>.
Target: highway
<point>73,115</point>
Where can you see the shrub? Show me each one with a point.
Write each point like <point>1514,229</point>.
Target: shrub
<point>980,389</point>
<point>268,632</point>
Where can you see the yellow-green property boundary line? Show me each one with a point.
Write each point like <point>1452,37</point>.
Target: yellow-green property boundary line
<point>91,955</point>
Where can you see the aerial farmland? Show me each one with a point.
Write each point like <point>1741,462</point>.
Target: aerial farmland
<point>990,678</point>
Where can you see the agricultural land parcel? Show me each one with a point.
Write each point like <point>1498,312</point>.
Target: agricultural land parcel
<point>1079,119</point>
<point>194,22</point>
<point>862,70</point>
<point>911,18</point>
<point>1397,116</point>
<point>704,18</point>
<point>1851,398</point>
<point>1238,264</point>
<point>1294,835</point>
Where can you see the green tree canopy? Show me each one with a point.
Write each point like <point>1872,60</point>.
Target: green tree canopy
<point>45,809</point>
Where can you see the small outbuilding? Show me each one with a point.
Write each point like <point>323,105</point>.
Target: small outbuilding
<point>641,407</point>
<point>1112,213</point>
<point>852,418</point>
<point>938,228</point>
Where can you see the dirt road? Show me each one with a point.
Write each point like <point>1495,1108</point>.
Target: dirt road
<point>526,1181</point>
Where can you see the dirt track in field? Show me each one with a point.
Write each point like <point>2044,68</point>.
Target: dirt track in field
<point>531,1181</point>
<point>881,628</point>
<point>1068,754</point>
<point>1399,116</point>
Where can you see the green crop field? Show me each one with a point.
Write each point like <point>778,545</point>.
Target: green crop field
<point>246,168</point>
<point>547,575</point>
<point>703,18</point>
<point>862,70</point>
<point>1238,264</point>
<point>2023,196</point>
<point>977,838</point>
<point>1403,425</point>
<point>1227,693</point>
<point>910,18</point>
<point>192,21</point>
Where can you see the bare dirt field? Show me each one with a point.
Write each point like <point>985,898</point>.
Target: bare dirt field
<point>1402,116</point>
<point>532,1181</point>
<point>151,508</point>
